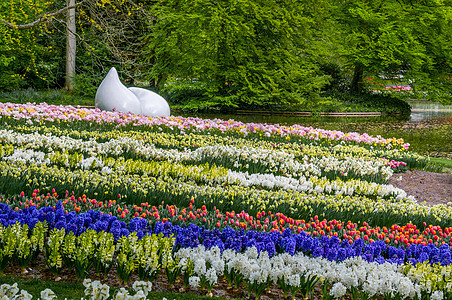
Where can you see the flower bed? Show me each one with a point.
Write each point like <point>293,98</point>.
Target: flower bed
<point>257,204</point>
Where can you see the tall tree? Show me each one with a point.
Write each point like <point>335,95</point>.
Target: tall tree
<point>254,53</point>
<point>107,29</point>
<point>32,21</point>
<point>21,48</point>
<point>71,45</point>
<point>412,38</point>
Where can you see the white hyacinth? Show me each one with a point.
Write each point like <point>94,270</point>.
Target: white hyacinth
<point>48,294</point>
<point>338,290</point>
<point>194,281</point>
<point>437,295</point>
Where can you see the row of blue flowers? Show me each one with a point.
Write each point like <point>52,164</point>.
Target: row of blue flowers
<point>192,235</point>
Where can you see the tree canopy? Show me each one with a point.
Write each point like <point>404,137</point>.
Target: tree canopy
<point>223,53</point>
<point>251,52</point>
<point>408,38</point>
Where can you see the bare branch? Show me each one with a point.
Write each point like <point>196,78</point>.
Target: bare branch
<point>42,18</point>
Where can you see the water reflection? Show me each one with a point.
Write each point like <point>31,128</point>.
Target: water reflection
<point>428,129</point>
<point>424,110</point>
<point>421,111</point>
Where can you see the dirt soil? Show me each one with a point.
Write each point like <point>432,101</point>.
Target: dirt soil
<point>433,188</point>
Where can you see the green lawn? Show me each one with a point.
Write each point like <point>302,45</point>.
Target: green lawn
<point>54,97</point>
<point>446,163</point>
<point>75,290</point>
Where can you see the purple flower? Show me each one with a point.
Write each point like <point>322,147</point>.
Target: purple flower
<point>250,243</point>
<point>331,254</point>
<point>208,243</point>
<point>219,244</point>
<point>341,254</point>
<point>380,259</point>
<point>71,227</point>
<point>116,232</point>
<point>124,232</point>
<point>115,225</point>
<point>70,216</point>
<point>317,251</point>
<point>369,249</point>
<point>357,246</point>
<point>134,225</point>
<point>423,257</point>
<point>158,227</point>
<point>227,232</point>
<point>333,242</point>
<point>275,236</point>
<point>101,226</point>
<point>81,230</point>
<point>270,248</point>
<point>60,224</point>
<point>110,219</point>
<point>290,245</point>
<point>95,215</point>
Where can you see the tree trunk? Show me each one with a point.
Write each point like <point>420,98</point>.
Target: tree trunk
<point>357,81</point>
<point>70,46</point>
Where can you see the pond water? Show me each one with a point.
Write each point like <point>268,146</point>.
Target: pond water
<point>428,129</point>
<point>423,110</point>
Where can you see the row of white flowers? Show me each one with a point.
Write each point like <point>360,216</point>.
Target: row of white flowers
<point>312,184</point>
<point>271,160</point>
<point>189,140</point>
<point>206,266</point>
<point>353,274</point>
<point>317,185</point>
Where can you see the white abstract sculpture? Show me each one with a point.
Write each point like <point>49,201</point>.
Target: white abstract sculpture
<point>152,104</point>
<point>112,95</point>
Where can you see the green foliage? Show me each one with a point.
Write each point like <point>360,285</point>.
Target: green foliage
<point>148,257</point>
<point>409,38</point>
<point>54,97</point>
<point>84,253</point>
<point>385,103</point>
<point>447,163</point>
<point>247,53</point>
<point>8,245</point>
<point>125,264</point>
<point>68,249</point>
<point>86,85</point>
<point>186,93</point>
<point>24,251</point>
<point>93,63</point>
<point>14,243</point>
<point>258,287</point>
<point>103,257</point>
<point>5,60</point>
<point>28,57</point>
<point>54,258</point>
<point>37,238</point>
<point>75,290</point>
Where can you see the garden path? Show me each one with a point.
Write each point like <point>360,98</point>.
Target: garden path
<point>433,188</point>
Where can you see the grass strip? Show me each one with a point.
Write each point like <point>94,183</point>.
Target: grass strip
<point>446,163</point>
<point>75,290</point>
